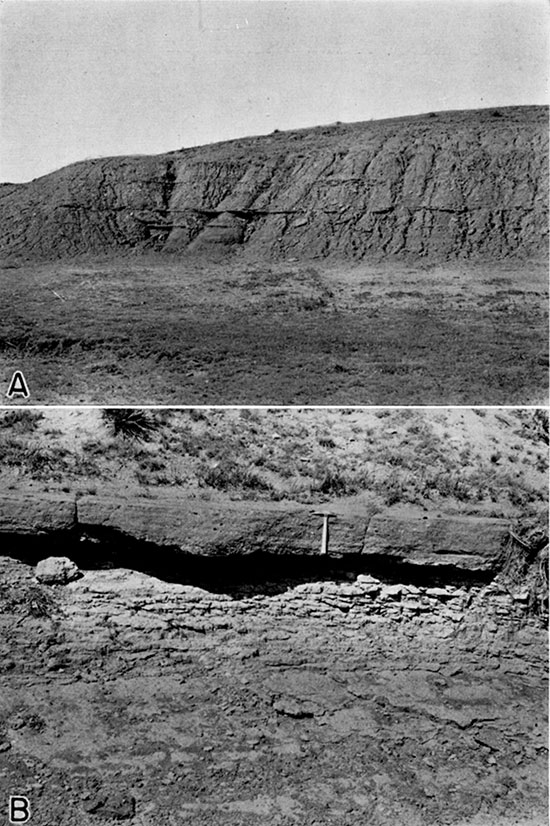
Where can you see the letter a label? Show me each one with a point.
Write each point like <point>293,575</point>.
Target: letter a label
<point>19,809</point>
<point>18,386</point>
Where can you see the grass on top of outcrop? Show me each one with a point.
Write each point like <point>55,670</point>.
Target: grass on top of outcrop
<point>471,460</point>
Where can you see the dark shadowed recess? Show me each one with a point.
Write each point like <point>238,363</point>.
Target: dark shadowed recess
<point>237,576</point>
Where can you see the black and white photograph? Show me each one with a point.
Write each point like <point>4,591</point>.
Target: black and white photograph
<point>274,412</point>
<point>283,203</point>
<point>288,616</point>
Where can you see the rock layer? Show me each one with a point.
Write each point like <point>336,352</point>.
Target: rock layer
<point>222,529</point>
<point>28,514</point>
<point>337,702</point>
<point>462,541</point>
<point>468,184</point>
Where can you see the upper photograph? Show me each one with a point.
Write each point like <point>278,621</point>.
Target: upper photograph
<point>274,203</point>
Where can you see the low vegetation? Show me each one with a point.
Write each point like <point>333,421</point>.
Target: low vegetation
<point>173,332</point>
<point>393,456</point>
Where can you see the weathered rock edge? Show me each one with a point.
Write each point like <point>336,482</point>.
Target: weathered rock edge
<point>236,529</point>
<point>446,185</point>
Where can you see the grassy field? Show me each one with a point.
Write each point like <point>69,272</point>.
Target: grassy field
<point>150,331</point>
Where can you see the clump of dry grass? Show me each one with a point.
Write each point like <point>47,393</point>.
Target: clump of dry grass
<point>21,421</point>
<point>28,600</point>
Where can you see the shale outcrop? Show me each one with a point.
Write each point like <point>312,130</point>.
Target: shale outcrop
<point>470,184</point>
<point>129,698</point>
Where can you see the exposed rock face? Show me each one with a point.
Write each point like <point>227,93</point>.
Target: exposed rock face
<point>463,541</point>
<point>239,528</point>
<point>469,184</point>
<point>211,529</point>
<point>28,514</point>
<point>111,805</point>
<point>56,570</point>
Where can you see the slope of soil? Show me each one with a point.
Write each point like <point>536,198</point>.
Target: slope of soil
<point>466,184</point>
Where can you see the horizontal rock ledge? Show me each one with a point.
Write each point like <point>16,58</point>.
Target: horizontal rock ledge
<point>222,529</point>
<point>206,528</point>
<point>37,514</point>
<point>470,542</point>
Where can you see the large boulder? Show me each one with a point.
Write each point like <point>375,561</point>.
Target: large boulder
<point>56,570</point>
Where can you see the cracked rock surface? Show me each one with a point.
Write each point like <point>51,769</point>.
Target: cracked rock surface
<point>127,698</point>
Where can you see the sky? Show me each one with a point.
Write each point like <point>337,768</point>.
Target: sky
<point>90,78</point>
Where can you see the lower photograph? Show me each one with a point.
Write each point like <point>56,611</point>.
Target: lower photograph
<point>233,616</point>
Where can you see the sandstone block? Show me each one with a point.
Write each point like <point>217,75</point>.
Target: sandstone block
<point>36,514</point>
<point>468,542</point>
<point>391,592</point>
<point>222,528</point>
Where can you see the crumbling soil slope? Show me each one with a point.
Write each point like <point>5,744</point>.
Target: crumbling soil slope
<point>442,185</point>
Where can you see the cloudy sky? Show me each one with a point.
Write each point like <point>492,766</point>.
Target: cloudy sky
<point>110,77</point>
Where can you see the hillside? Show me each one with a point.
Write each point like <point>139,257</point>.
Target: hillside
<point>469,184</point>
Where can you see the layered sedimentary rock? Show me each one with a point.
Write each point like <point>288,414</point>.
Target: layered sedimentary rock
<point>35,515</point>
<point>463,541</point>
<point>223,529</point>
<point>452,184</point>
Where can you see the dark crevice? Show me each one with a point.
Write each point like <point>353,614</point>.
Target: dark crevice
<point>168,183</point>
<point>260,573</point>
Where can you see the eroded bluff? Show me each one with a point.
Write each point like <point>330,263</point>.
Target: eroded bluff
<point>469,184</point>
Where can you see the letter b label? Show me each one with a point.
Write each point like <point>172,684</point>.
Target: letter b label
<point>19,809</point>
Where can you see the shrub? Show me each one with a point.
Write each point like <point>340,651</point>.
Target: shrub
<point>333,483</point>
<point>131,423</point>
<point>392,488</point>
<point>196,414</point>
